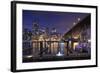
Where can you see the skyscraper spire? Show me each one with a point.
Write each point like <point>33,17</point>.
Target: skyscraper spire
<point>35,27</point>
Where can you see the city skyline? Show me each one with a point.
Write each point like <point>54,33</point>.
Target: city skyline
<point>56,36</point>
<point>62,21</point>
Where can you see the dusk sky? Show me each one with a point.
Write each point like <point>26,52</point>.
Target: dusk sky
<point>62,21</point>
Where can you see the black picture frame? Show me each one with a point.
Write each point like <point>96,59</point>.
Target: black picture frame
<point>13,35</point>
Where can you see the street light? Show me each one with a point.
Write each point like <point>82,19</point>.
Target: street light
<point>74,23</point>
<point>89,40</point>
<point>59,54</point>
<point>29,56</point>
<point>79,19</point>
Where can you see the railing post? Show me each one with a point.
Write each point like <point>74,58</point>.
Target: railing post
<point>67,47</point>
<point>41,48</point>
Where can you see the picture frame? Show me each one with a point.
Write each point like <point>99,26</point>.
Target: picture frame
<point>24,14</point>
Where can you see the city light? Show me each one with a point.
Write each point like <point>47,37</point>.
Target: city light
<point>75,44</point>
<point>89,40</point>
<point>75,37</point>
<point>74,23</point>
<point>29,56</point>
<point>59,54</point>
<point>79,19</point>
<point>41,38</point>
